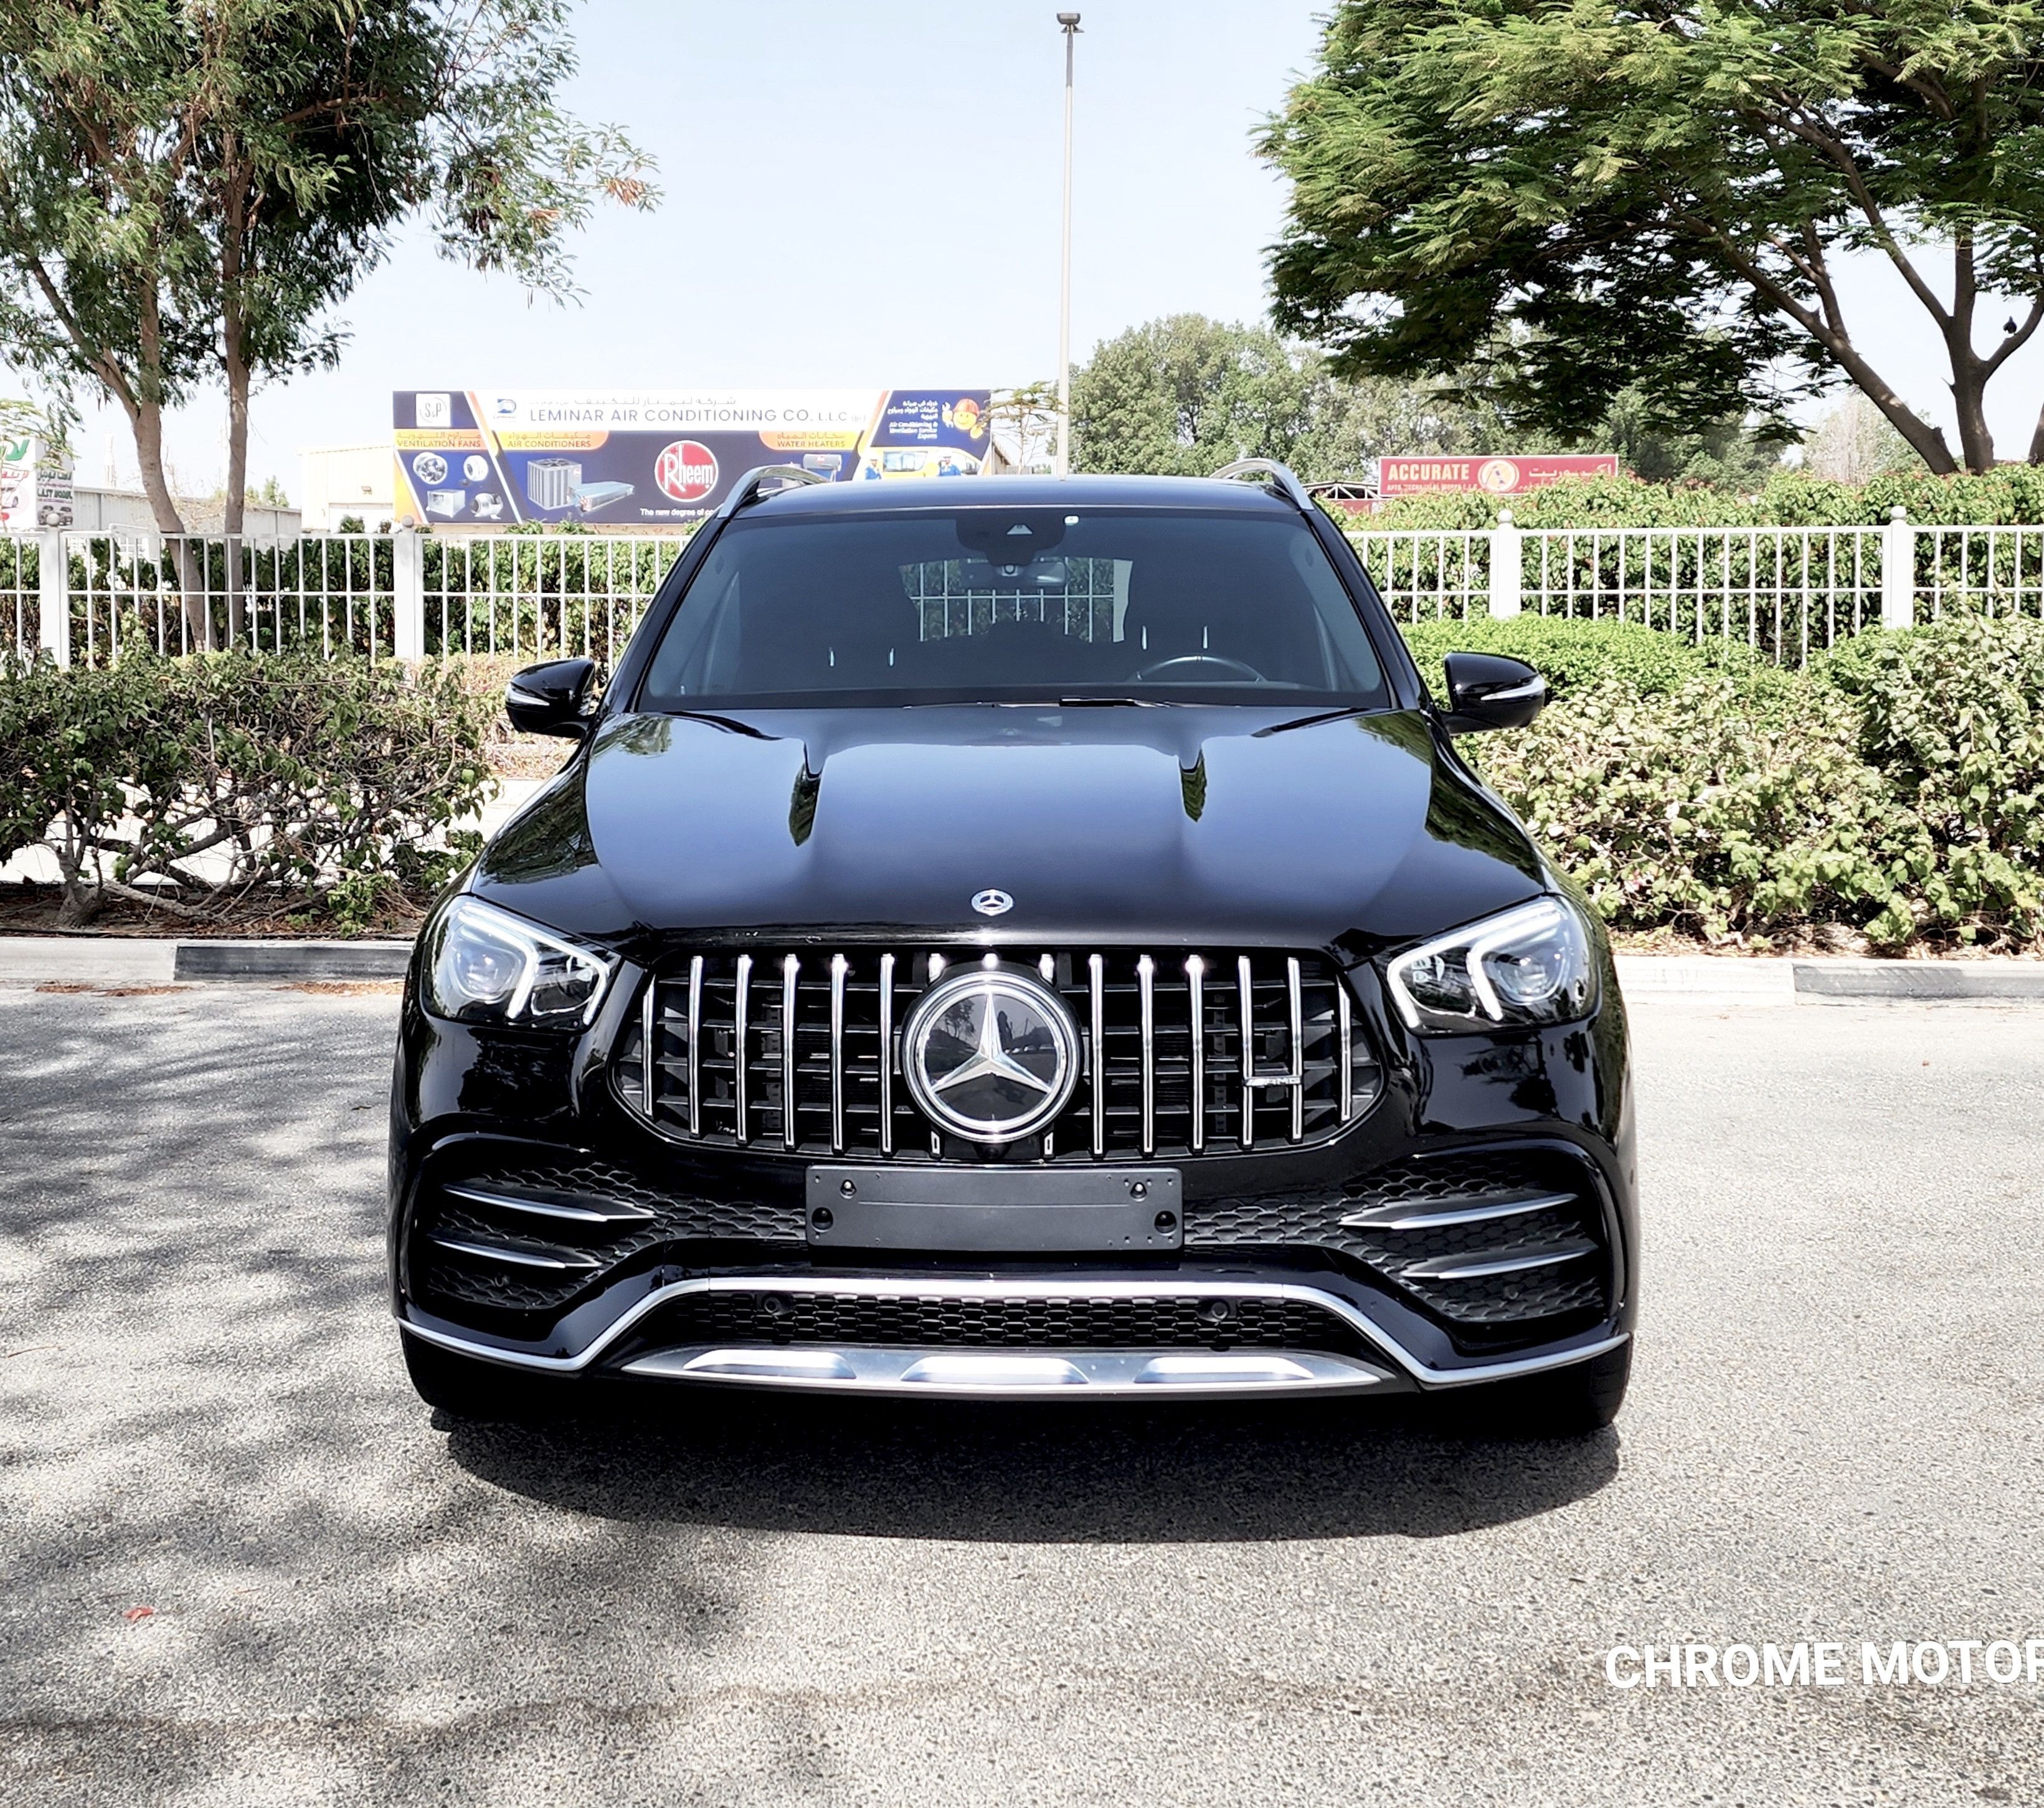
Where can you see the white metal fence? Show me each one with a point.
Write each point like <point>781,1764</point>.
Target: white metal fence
<point>83,595</point>
<point>1788,591</point>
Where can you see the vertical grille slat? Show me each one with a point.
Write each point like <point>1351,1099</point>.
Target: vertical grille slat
<point>1171,1066</point>
<point>838,965</point>
<point>887,1054</point>
<point>695,1043</point>
<point>1298,1027</point>
<point>741,1066</point>
<point>791,970</point>
<point>1096,1050</point>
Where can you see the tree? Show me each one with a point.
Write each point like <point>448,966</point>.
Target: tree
<point>97,243</point>
<point>1853,443</point>
<point>1025,421</point>
<point>1560,199</point>
<point>188,187</point>
<point>1725,452</point>
<point>1185,395</point>
<point>330,125</point>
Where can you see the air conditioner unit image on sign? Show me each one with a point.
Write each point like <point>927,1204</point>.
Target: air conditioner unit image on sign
<point>588,497</point>
<point>551,483</point>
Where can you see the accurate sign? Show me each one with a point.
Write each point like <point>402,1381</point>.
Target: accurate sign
<point>1492,476</point>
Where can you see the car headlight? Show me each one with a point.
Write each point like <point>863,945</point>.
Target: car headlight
<point>485,965</point>
<point>1531,964</point>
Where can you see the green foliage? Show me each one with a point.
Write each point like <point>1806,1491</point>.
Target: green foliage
<point>1576,654</point>
<point>1183,396</point>
<point>1558,200</point>
<point>225,784</point>
<point>2013,494</point>
<point>1723,452</point>
<point>1952,716</point>
<point>188,191</point>
<point>1894,790</point>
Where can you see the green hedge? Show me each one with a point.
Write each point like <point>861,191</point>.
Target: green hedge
<point>1894,789</point>
<point>2012,495</point>
<point>225,785</point>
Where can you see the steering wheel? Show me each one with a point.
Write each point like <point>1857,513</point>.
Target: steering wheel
<point>1169,668</point>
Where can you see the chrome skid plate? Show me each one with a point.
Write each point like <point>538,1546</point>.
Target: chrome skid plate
<point>1016,1374</point>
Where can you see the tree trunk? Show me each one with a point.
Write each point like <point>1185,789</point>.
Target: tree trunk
<point>147,418</point>
<point>237,479</point>
<point>1970,399</point>
<point>234,358</point>
<point>1927,442</point>
<point>146,414</point>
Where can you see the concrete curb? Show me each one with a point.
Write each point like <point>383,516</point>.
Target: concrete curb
<point>134,960</point>
<point>123,961</point>
<point>204,961</point>
<point>1787,980</point>
<point>2000,980</point>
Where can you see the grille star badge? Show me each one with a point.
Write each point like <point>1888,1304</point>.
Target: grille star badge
<point>990,1054</point>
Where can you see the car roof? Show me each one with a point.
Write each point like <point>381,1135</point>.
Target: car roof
<point>1210,495</point>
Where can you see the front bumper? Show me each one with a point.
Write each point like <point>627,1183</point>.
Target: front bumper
<point>624,1333</point>
<point>1299,1270</point>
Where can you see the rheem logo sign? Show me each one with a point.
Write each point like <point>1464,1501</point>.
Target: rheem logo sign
<point>686,471</point>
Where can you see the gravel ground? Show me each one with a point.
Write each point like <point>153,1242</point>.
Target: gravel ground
<point>1834,1435</point>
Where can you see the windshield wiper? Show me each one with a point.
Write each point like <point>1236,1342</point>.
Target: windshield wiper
<point>1322,716</point>
<point>730,724</point>
<point>1118,703</point>
<point>1049,703</point>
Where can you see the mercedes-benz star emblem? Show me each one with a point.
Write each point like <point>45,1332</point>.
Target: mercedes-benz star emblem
<point>991,903</point>
<point>991,1054</point>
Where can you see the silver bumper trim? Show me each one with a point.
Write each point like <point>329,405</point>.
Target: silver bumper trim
<point>938,1288</point>
<point>983,1374</point>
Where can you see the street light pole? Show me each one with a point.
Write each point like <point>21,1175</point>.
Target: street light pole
<point>1069,22</point>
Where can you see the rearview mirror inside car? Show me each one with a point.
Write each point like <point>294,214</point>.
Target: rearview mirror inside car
<point>552,698</point>
<point>1486,690</point>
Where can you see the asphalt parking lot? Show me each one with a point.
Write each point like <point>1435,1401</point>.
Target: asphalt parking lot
<point>1836,1433</point>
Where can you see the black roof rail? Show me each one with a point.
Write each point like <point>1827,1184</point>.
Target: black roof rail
<point>1278,477</point>
<point>747,488</point>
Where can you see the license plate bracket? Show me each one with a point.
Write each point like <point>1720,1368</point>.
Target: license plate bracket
<point>992,1210</point>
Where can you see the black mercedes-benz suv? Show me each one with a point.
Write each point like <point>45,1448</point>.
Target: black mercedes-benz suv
<point>1015,938</point>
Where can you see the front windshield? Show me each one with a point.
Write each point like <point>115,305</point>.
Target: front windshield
<point>995,605</point>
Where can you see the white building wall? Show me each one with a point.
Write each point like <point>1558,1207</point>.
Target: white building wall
<point>336,482</point>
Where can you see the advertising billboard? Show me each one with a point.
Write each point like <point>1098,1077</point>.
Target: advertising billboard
<point>658,458</point>
<point>35,489</point>
<point>1493,476</point>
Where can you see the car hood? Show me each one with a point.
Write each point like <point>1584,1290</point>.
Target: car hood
<point>1227,825</point>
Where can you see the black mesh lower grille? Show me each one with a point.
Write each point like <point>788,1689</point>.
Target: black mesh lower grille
<point>509,1285</point>
<point>1539,1270</point>
<point>915,1322</point>
<point>1572,1229</point>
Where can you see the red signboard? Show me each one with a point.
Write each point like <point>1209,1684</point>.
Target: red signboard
<point>1493,475</point>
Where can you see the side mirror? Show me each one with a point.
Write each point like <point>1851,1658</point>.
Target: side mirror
<point>551,699</point>
<point>1488,691</point>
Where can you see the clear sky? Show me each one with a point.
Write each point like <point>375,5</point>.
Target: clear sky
<point>865,193</point>
<point>859,193</point>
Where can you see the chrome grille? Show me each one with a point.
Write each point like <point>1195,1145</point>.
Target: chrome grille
<point>1185,1054</point>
